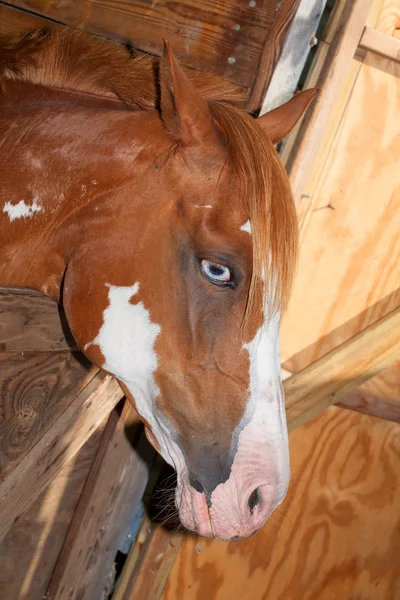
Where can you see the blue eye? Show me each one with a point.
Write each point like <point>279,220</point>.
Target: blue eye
<point>216,273</point>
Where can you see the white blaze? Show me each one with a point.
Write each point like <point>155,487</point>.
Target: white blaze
<point>16,211</point>
<point>126,340</point>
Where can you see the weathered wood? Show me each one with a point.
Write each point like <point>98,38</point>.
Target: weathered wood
<point>331,377</point>
<point>35,389</point>
<point>294,54</point>
<point>29,551</point>
<point>149,563</point>
<point>59,444</point>
<point>231,38</point>
<point>30,321</point>
<point>14,21</point>
<point>381,43</point>
<point>111,496</point>
<point>331,78</point>
<point>336,535</point>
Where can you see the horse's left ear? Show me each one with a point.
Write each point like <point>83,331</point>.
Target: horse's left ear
<point>184,112</point>
<point>280,121</point>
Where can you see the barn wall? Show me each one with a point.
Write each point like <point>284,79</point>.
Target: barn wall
<point>238,40</point>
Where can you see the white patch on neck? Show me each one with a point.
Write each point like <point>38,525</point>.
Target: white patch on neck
<point>126,340</point>
<point>17,211</point>
<point>246,227</point>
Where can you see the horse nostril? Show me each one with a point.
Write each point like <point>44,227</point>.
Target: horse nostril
<point>196,485</point>
<point>254,499</point>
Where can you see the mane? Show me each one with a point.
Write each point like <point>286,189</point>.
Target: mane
<point>71,59</point>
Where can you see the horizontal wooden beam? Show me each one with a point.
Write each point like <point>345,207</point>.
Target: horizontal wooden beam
<point>58,445</point>
<point>339,372</point>
<point>32,322</point>
<point>381,43</point>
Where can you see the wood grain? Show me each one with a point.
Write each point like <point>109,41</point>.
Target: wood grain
<point>30,321</point>
<point>348,274</point>
<point>58,445</point>
<point>381,43</point>
<point>346,367</point>
<point>111,496</point>
<point>227,38</point>
<point>35,389</point>
<point>14,21</point>
<point>336,535</point>
<point>29,551</point>
<point>330,80</point>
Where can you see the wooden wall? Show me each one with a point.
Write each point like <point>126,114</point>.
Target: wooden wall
<point>337,534</point>
<point>236,39</point>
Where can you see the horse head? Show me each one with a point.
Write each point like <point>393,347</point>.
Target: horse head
<point>177,290</point>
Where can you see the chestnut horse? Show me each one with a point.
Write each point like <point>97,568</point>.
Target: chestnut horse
<point>142,197</point>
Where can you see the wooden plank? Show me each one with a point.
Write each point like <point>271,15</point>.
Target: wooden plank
<point>381,43</point>
<point>30,321</point>
<point>35,389</point>
<point>29,551</point>
<point>324,382</point>
<point>227,38</point>
<point>60,443</point>
<point>379,397</point>
<point>370,404</point>
<point>348,276</point>
<point>331,78</point>
<point>294,54</point>
<point>336,535</point>
<point>118,477</point>
<point>14,21</point>
<point>149,563</point>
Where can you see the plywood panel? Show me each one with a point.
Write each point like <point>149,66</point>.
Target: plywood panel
<point>349,272</point>
<point>337,535</point>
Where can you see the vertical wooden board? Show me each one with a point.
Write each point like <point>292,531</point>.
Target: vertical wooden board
<point>349,275</point>
<point>337,534</point>
<point>29,551</point>
<point>35,388</point>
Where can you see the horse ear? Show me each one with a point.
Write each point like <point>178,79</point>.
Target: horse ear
<point>279,122</point>
<point>184,112</point>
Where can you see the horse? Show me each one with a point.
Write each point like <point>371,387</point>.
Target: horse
<point>144,199</point>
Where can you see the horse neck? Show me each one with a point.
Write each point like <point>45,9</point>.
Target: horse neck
<point>64,152</point>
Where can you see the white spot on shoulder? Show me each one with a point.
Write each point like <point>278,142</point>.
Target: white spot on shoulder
<point>17,211</point>
<point>246,227</point>
<point>203,205</point>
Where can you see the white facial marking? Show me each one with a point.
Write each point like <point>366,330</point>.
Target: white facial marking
<point>262,456</point>
<point>126,340</point>
<point>17,211</point>
<point>246,227</point>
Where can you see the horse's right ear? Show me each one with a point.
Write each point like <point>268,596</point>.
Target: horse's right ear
<point>184,112</point>
<point>280,121</point>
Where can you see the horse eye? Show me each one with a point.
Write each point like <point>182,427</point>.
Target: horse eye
<point>216,273</point>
